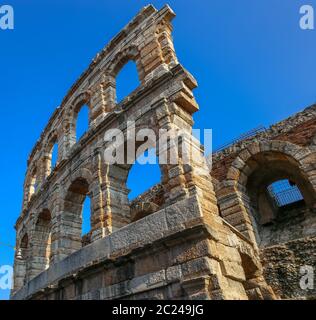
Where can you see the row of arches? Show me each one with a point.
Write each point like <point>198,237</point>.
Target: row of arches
<point>126,81</point>
<point>35,248</point>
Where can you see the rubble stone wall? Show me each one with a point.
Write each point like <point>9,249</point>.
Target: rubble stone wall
<point>241,174</point>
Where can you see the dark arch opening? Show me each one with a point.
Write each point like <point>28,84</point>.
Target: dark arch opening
<point>78,212</point>
<point>42,241</point>
<point>24,242</point>
<point>23,255</point>
<point>279,197</point>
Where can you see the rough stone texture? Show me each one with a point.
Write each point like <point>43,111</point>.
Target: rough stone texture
<point>282,266</point>
<point>285,236</point>
<point>171,242</point>
<point>154,258</point>
<point>300,129</point>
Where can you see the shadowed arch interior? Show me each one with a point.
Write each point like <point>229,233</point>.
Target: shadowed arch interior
<point>42,242</point>
<point>73,211</point>
<point>51,155</point>
<point>264,169</point>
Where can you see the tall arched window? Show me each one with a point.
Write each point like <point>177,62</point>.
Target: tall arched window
<point>127,81</point>
<point>54,155</point>
<point>278,197</point>
<point>24,254</point>
<point>86,216</point>
<point>142,176</point>
<point>77,213</point>
<point>33,184</point>
<point>144,182</point>
<point>42,241</point>
<point>82,122</point>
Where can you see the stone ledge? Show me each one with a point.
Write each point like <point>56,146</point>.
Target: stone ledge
<point>153,228</point>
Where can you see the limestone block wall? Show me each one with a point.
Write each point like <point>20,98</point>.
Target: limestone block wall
<point>197,234</point>
<point>199,257</point>
<point>175,245</point>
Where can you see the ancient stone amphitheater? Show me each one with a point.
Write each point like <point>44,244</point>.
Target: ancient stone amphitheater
<point>224,234</point>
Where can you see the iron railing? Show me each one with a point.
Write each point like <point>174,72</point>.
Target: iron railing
<point>243,136</point>
<point>287,196</point>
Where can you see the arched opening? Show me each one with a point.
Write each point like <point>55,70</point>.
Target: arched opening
<point>127,80</point>
<point>144,174</point>
<point>86,221</point>
<point>42,242</point>
<point>51,158</point>
<point>75,207</point>
<point>81,121</point>
<point>144,183</point>
<point>136,189</point>
<point>278,197</point>
<point>33,184</point>
<point>24,246</point>
<point>54,155</point>
<point>23,256</point>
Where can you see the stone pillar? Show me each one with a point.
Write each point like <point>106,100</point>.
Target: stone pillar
<point>115,195</point>
<point>234,212</point>
<point>99,227</point>
<point>40,244</point>
<point>19,271</point>
<point>57,227</point>
<point>70,226</point>
<point>102,99</point>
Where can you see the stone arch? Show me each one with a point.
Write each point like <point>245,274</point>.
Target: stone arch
<point>51,141</point>
<point>81,173</point>
<point>257,166</point>
<point>81,99</point>
<point>24,245</point>
<point>32,180</point>
<point>122,57</point>
<point>21,264</point>
<point>76,190</point>
<point>41,243</point>
<point>112,69</point>
<point>301,158</point>
<point>120,210</point>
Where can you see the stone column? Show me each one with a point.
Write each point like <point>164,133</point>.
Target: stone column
<point>40,244</point>
<point>19,271</point>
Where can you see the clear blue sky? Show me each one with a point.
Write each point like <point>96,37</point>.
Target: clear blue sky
<point>254,65</point>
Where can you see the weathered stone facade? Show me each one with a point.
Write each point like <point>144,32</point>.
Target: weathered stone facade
<point>181,239</point>
<point>241,174</point>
